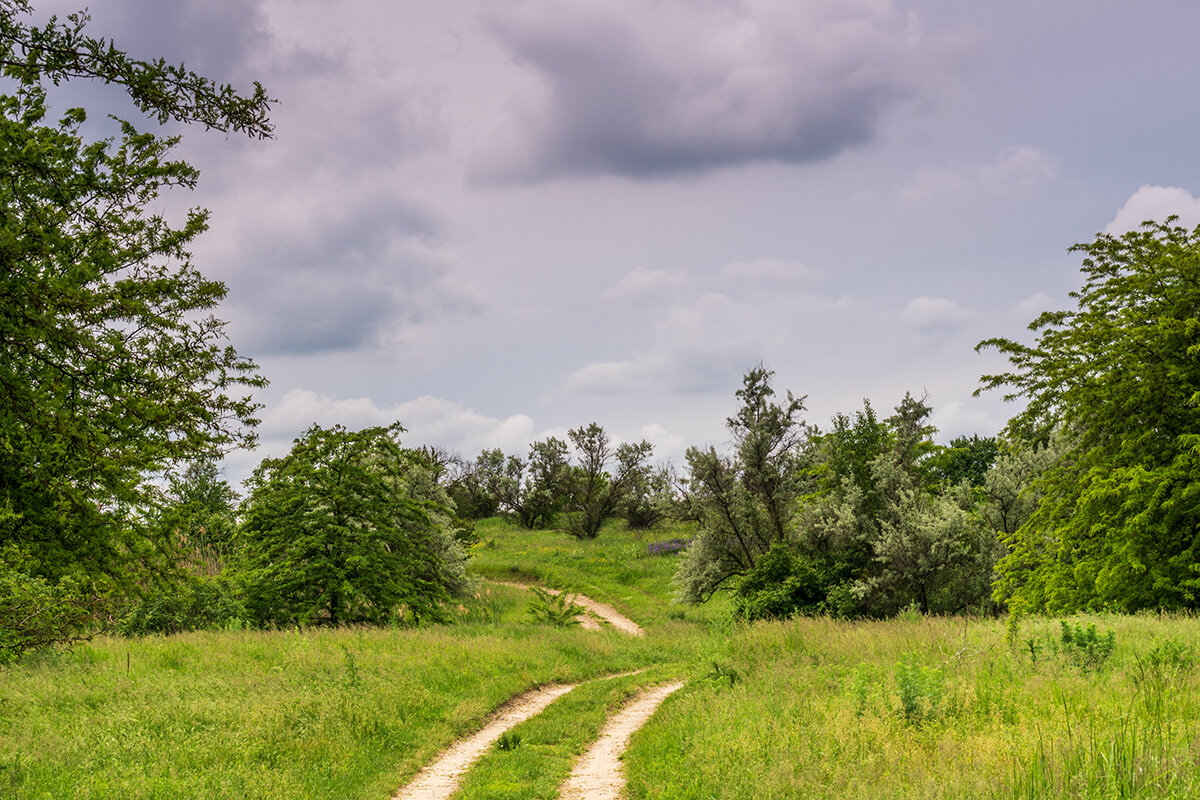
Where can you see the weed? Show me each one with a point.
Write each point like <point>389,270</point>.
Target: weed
<point>920,690</point>
<point>553,609</point>
<point>508,741</point>
<point>1086,648</point>
<point>350,674</point>
<point>721,674</point>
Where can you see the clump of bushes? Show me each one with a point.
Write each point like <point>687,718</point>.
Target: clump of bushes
<point>197,604</point>
<point>781,585</point>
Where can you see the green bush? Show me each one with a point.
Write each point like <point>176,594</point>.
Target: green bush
<point>780,585</point>
<point>1085,647</point>
<point>553,609</point>
<point>35,613</point>
<point>198,604</point>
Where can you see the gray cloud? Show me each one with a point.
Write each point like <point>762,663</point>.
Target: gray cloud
<point>680,88</point>
<point>342,276</point>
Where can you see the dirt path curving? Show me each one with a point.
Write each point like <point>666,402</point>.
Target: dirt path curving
<point>440,779</point>
<point>598,775</point>
<point>602,610</point>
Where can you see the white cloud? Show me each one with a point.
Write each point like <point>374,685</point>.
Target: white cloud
<point>647,286</point>
<point>1155,203</point>
<point>1017,169</point>
<point>707,344</point>
<point>1033,305</point>
<point>428,420</point>
<point>927,314</point>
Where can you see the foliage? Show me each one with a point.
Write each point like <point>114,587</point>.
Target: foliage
<point>553,608</point>
<point>37,614</point>
<point>1116,524</point>
<point>1085,647</point>
<point>201,510</point>
<point>886,526</point>
<point>920,690</point>
<point>595,495</point>
<point>651,499</point>
<point>342,530</point>
<point>966,458</point>
<point>199,603</point>
<point>780,585</point>
<point>112,368</point>
<point>746,501</point>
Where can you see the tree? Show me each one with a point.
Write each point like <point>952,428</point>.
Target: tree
<point>967,458</point>
<point>1118,521</point>
<point>541,483</point>
<point>112,369</point>
<point>746,501</point>
<point>332,533</point>
<point>202,508</point>
<point>595,494</point>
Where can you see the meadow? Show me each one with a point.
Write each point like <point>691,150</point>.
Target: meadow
<point>915,707</point>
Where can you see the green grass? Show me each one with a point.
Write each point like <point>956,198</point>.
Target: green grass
<point>931,708</point>
<point>909,708</point>
<point>338,714</point>
<point>615,567</point>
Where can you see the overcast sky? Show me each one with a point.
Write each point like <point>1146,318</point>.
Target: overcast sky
<point>494,221</point>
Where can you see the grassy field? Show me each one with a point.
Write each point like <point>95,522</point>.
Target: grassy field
<point>909,708</point>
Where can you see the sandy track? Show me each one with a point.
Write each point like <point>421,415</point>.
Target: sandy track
<point>440,779</point>
<point>598,775</point>
<point>602,610</point>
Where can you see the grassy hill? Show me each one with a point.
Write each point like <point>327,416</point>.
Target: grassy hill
<point>909,708</point>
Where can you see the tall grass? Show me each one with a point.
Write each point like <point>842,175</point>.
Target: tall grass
<point>930,708</point>
<point>317,714</point>
<point>915,707</point>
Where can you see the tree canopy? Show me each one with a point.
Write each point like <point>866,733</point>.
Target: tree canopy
<point>112,367</point>
<point>1118,523</point>
<point>338,532</point>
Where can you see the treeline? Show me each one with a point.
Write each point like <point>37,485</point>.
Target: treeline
<point>118,395</point>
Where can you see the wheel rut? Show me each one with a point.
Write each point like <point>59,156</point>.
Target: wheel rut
<point>597,775</point>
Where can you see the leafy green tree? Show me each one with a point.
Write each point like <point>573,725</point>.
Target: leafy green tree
<point>202,508</point>
<point>885,528</point>
<point>966,458</point>
<point>651,499</point>
<point>333,534</point>
<point>112,368</point>
<point>596,494</point>
<point>543,485</point>
<point>1118,521</point>
<point>747,500</point>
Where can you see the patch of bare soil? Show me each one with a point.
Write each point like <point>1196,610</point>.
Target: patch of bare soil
<point>601,610</point>
<point>598,775</point>
<point>440,779</point>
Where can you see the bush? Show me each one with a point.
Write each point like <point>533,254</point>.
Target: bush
<point>198,604</point>
<point>35,613</point>
<point>780,585</point>
<point>1085,647</point>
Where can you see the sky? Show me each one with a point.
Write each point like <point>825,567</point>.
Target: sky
<point>494,222</point>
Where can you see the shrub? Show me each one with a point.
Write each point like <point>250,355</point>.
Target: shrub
<point>198,604</point>
<point>1085,647</point>
<point>780,584</point>
<point>35,613</point>
<point>554,609</point>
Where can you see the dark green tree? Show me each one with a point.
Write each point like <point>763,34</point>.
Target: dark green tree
<point>333,534</point>
<point>596,494</point>
<point>966,458</point>
<point>746,501</point>
<point>1117,525</point>
<point>112,368</point>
